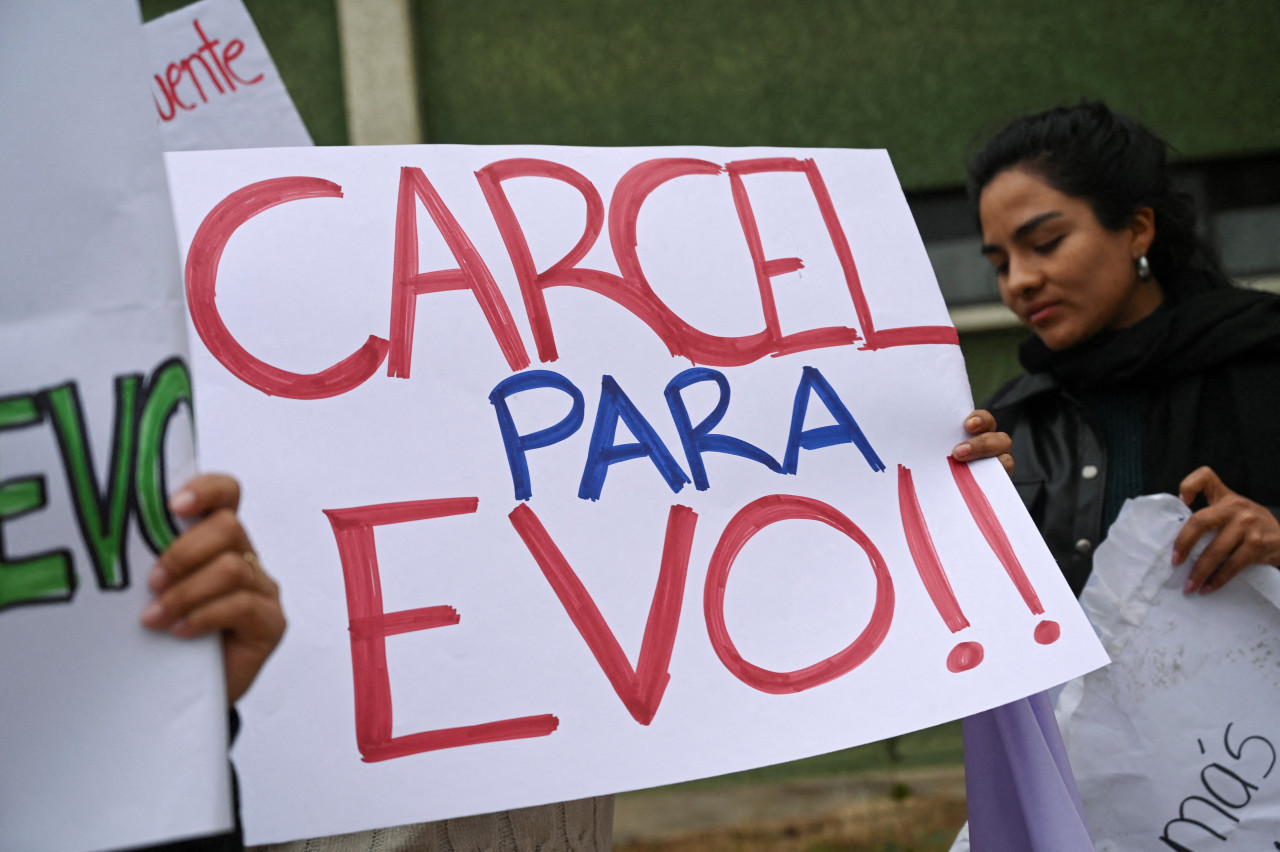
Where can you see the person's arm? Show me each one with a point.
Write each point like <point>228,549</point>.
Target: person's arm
<point>986,442</point>
<point>210,581</point>
<point>1247,532</point>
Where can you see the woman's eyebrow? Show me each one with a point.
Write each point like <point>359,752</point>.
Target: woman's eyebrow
<point>1022,230</point>
<point>1034,222</point>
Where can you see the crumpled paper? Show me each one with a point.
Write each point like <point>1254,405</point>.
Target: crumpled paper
<point>1174,745</point>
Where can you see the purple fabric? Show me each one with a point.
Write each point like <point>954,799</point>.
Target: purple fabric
<point>1022,795</point>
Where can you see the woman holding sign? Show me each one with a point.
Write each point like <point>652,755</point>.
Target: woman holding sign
<point>1148,371</point>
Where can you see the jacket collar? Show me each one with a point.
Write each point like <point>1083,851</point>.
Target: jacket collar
<point>1021,389</point>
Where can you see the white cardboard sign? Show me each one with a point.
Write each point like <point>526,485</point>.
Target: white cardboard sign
<point>586,470</point>
<point>213,82</point>
<point>111,735</point>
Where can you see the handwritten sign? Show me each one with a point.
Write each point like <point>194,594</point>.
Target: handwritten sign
<point>587,470</point>
<point>1175,744</point>
<point>213,82</point>
<point>112,736</point>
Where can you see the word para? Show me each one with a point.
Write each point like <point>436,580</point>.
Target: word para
<point>183,74</point>
<point>616,406</point>
<point>630,289</point>
<point>135,481</point>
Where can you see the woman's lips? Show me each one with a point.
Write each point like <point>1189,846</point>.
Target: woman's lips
<point>1041,312</point>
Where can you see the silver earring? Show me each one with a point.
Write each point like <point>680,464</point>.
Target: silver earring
<point>1144,269</point>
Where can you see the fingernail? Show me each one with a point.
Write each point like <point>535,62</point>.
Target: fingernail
<point>158,579</point>
<point>1206,589</point>
<point>180,627</point>
<point>973,423</point>
<point>153,614</point>
<point>962,451</point>
<point>1177,559</point>
<point>184,502</point>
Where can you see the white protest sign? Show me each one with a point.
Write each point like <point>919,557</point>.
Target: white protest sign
<point>1174,745</point>
<point>214,84</point>
<point>112,735</point>
<point>586,470</point>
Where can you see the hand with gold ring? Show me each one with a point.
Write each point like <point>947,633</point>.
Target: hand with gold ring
<point>209,580</point>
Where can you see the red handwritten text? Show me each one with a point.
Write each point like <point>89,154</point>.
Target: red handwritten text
<point>630,289</point>
<point>183,87</point>
<point>641,687</point>
<point>371,625</point>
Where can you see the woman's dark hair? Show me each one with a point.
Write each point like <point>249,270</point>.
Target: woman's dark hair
<point>1117,165</point>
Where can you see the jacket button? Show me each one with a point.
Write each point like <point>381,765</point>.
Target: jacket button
<point>1084,545</point>
<point>1089,471</point>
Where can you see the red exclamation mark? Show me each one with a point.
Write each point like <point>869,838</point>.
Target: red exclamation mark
<point>966,655</point>
<point>1046,632</point>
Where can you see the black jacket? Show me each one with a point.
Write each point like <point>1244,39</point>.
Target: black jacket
<point>1209,378</point>
<point>1060,467</point>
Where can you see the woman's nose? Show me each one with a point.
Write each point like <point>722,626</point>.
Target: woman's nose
<point>1023,276</point>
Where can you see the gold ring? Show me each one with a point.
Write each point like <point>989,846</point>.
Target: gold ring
<point>254,563</point>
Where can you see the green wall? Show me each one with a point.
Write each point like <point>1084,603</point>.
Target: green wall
<point>922,78</point>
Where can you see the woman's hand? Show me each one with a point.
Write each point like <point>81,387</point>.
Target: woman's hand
<point>1247,533</point>
<point>209,580</point>
<point>986,442</point>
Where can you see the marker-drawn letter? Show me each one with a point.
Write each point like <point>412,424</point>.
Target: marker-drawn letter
<point>844,431</point>
<point>42,577</point>
<point>1238,753</point>
<point>517,445</point>
<point>470,274</point>
<point>752,518</point>
<point>629,196</point>
<point>615,406</point>
<point>700,439</point>
<point>640,688</point>
<point>769,268</point>
<point>766,269</point>
<point>1246,789</point>
<point>168,388</point>
<point>564,271</point>
<point>102,513</point>
<point>202,284</point>
<point>370,626</point>
<point>1186,820</point>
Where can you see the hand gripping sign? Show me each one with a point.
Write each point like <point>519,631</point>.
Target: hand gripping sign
<point>587,470</point>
